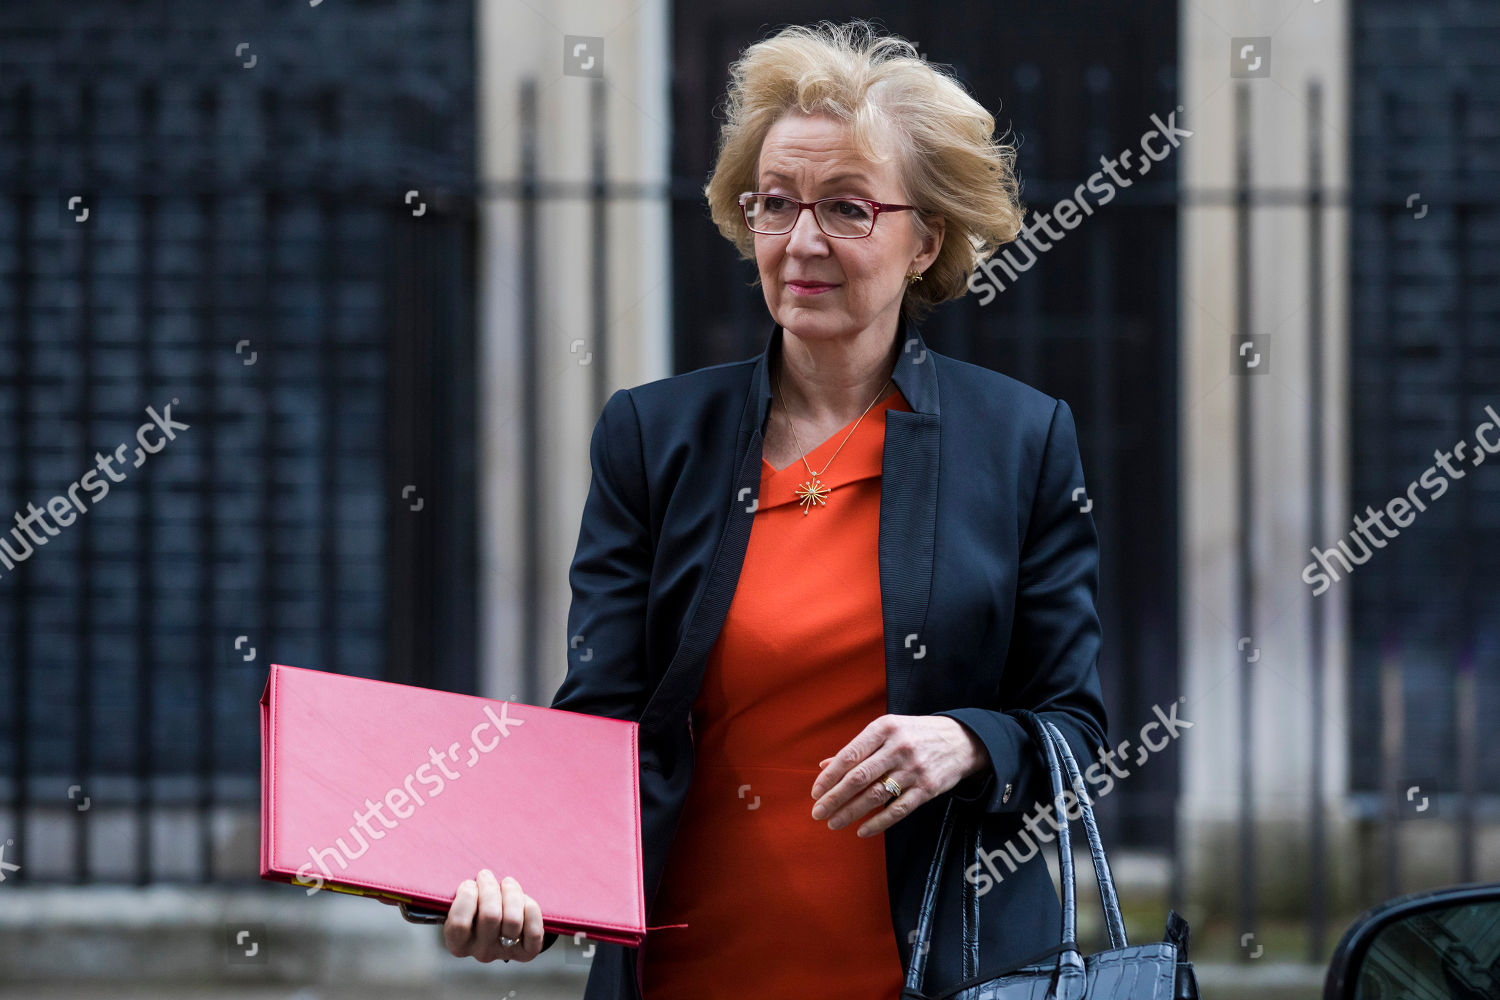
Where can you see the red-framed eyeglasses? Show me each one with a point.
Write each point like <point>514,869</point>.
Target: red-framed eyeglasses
<point>838,218</point>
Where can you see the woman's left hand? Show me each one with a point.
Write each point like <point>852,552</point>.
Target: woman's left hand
<point>925,754</point>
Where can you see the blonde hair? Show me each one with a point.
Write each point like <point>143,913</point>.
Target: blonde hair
<point>880,86</point>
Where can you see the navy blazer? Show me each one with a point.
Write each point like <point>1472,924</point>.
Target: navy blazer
<point>988,574</point>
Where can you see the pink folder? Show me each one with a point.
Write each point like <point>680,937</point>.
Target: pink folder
<point>401,793</point>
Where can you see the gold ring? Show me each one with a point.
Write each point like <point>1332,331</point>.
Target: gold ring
<point>891,785</point>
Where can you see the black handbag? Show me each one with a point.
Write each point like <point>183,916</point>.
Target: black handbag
<point>1156,971</point>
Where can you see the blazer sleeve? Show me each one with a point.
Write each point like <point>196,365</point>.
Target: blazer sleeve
<point>1051,666</point>
<point>610,577</point>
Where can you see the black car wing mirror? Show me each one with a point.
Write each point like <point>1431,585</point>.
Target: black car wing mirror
<point>1442,944</point>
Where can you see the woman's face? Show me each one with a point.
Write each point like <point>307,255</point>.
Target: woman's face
<point>816,286</point>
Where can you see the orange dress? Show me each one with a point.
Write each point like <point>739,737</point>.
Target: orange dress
<point>775,903</point>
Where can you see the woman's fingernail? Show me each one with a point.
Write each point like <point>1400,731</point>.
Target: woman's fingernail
<point>486,872</point>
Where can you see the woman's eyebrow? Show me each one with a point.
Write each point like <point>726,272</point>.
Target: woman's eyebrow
<point>858,180</point>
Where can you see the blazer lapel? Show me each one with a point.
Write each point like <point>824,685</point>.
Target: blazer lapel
<point>908,517</point>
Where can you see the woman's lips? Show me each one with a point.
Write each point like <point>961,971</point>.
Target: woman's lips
<point>809,287</point>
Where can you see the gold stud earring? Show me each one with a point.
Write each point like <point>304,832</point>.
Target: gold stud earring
<point>913,276</point>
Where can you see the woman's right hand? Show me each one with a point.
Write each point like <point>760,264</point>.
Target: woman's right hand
<point>485,910</point>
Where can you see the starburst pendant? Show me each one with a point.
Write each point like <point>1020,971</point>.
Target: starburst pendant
<point>813,492</point>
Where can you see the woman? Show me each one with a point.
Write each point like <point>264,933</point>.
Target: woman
<point>817,578</point>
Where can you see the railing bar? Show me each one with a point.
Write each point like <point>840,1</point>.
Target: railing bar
<point>1317,916</point>
<point>1245,524</point>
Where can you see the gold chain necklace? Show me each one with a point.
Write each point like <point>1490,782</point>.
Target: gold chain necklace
<point>814,491</point>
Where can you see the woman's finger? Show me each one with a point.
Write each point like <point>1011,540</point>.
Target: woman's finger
<point>458,929</point>
<point>867,744</point>
<point>895,810</point>
<point>513,907</point>
<point>486,943</point>
<point>531,939</point>
<point>859,790</point>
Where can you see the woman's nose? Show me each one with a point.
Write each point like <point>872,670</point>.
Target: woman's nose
<point>806,238</point>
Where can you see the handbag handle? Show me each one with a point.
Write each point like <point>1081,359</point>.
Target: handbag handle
<point>1050,741</point>
<point>918,969</point>
<point>1114,921</point>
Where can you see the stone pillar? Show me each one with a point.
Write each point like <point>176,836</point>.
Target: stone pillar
<point>1294,44</point>
<point>520,42</point>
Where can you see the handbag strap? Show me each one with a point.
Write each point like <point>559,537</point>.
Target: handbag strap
<point>918,969</point>
<point>969,964</point>
<point>1113,920</point>
<point>1042,739</point>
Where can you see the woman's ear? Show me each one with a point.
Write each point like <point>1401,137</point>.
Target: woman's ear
<point>937,228</point>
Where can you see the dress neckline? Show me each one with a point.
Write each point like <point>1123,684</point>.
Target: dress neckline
<point>826,448</point>
<point>861,458</point>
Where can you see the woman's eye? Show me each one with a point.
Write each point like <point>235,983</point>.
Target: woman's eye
<point>851,209</point>
<point>775,204</point>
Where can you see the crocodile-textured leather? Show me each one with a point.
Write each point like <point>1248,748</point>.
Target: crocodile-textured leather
<point>1156,971</point>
